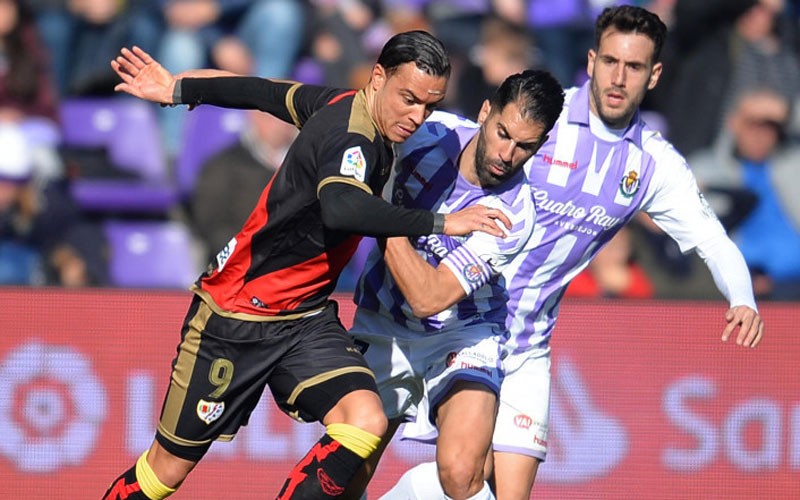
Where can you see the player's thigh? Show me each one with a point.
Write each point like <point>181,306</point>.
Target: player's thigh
<point>322,366</point>
<point>465,419</point>
<point>400,384</point>
<point>217,379</point>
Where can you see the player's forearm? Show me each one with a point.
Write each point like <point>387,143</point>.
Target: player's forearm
<point>347,208</point>
<point>428,290</point>
<point>729,270</point>
<point>243,92</point>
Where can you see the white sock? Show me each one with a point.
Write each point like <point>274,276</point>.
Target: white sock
<point>422,483</point>
<point>484,494</point>
<point>419,482</point>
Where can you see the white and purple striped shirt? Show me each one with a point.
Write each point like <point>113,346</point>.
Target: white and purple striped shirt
<point>587,182</point>
<point>427,177</point>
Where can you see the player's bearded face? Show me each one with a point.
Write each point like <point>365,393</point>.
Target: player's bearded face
<point>505,142</point>
<point>491,171</point>
<point>404,98</point>
<point>621,72</point>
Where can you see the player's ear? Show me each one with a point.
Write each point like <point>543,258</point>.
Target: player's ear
<point>486,108</point>
<point>378,77</point>
<point>590,62</point>
<point>655,74</point>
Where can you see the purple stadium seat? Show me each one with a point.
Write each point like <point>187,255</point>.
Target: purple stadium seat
<point>128,129</point>
<point>150,254</point>
<point>307,70</point>
<point>206,131</point>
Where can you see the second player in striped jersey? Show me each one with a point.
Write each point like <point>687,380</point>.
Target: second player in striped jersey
<point>431,312</point>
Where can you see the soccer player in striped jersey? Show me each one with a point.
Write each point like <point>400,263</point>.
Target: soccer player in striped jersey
<point>600,167</point>
<point>431,315</point>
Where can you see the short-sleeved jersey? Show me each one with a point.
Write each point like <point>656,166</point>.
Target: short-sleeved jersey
<point>427,177</point>
<point>284,261</point>
<point>585,189</point>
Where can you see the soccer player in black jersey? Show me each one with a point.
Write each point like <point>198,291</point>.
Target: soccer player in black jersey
<point>261,315</point>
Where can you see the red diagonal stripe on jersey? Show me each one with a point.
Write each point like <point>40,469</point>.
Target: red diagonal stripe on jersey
<point>341,96</point>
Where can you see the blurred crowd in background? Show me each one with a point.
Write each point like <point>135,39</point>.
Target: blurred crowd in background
<point>97,189</point>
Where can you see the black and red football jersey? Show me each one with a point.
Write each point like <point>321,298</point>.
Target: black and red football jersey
<point>284,261</point>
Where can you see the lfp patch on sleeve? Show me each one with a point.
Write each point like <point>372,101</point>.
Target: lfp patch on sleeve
<point>354,164</point>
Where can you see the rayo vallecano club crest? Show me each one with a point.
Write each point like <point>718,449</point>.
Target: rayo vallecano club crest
<point>208,411</point>
<point>629,184</point>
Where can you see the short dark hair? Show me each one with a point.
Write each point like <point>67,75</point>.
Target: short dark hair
<point>419,47</point>
<point>632,19</point>
<point>538,93</point>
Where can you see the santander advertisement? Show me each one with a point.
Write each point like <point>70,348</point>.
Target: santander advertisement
<point>646,403</point>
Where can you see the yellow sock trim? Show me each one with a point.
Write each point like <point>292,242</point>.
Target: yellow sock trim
<point>359,441</point>
<point>151,486</point>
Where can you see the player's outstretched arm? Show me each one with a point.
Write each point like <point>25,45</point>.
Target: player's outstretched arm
<point>428,290</point>
<point>476,218</point>
<point>749,323</point>
<point>143,77</point>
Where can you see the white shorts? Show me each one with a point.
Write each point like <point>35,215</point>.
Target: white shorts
<point>411,370</point>
<point>524,411</point>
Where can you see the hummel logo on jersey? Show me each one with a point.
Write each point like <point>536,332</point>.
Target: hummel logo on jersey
<point>257,302</point>
<point>572,165</point>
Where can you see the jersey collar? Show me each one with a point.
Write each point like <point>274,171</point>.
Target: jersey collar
<point>579,113</point>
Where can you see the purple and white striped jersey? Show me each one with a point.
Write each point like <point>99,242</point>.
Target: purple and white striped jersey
<point>426,176</point>
<point>587,182</point>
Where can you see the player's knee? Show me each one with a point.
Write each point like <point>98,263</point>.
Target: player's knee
<point>460,478</point>
<point>372,420</point>
<point>360,409</point>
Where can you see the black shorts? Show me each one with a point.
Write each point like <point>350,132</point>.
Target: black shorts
<point>223,365</point>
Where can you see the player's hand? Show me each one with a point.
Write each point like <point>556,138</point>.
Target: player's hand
<point>476,218</point>
<point>143,77</point>
<point>751,327</point>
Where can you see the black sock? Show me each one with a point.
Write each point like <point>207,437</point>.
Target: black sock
<point>125,487</point>
<point>323,473</point>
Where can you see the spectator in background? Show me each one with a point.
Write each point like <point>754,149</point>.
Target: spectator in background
<point>718,48</point>
<point>755,154</point>
<point>504,49</point>
<point>247,37</point>
<point>26,86</point>
<point>231,182</point>
<point>260,37</point>
<point>614,272</point>
<point>82,35</point>
<point>563,29</point>
<point>456,22</point>
<point>28,95</point>
<point>338,40</point>
<point>43,239</point>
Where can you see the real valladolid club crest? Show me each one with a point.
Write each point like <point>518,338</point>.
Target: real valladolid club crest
<point>472,272</point>
<point>629,184</point>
